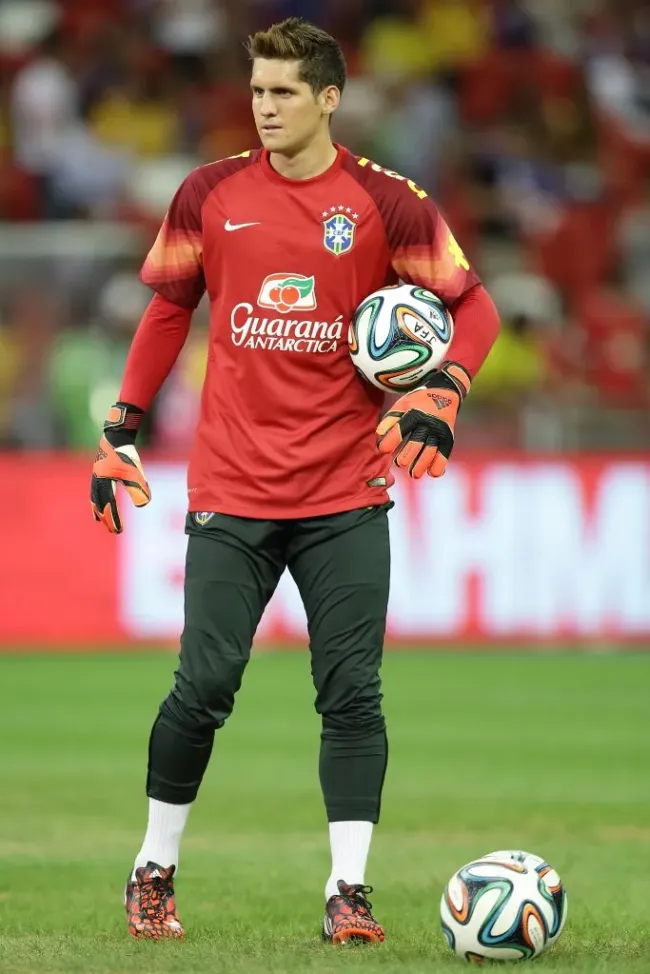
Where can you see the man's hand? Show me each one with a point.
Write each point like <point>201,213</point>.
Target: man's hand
<point>117,462</point>
<point>419,428</point>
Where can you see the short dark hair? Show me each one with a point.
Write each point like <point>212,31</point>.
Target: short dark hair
<point>321,60</point>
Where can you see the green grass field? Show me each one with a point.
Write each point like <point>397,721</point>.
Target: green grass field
<point>546,753</point>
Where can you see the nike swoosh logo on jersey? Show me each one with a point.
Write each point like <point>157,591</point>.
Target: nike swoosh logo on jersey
<point>239,226</point>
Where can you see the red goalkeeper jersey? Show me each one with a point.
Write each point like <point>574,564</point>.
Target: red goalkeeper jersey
<point>287,427</point>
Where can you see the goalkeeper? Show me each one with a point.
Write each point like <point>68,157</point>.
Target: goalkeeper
<point>290,464</point>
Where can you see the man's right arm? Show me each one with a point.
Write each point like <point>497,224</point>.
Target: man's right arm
<point>174,270</point>
<point>156,346</point>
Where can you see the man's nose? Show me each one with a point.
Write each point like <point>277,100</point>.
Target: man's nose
<point>267,106</point>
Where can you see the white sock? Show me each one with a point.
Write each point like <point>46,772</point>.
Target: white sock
<point>163,836</point>
<point>350,844</point>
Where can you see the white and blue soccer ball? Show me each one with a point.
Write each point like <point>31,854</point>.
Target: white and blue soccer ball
<point>399,335</point>
<point>507,905</point>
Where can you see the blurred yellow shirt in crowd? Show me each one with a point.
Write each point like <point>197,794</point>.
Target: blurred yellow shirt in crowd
<point>392,46</point>
<point>9,365</point>
<point>515,365</point>
<point>454,31</point>
<point>196,359</point>
<point>148,129</point>
<point>447,32</point>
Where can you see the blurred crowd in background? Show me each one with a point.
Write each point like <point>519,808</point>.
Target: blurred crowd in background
<point>527,120</point>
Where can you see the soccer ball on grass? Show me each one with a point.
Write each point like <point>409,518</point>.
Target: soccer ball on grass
<point>508,905</point>
<point>399,335</point>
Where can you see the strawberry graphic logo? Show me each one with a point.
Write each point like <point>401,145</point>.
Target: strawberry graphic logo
<point>287,292</point>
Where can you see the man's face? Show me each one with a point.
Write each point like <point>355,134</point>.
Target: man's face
<point>287,113</point>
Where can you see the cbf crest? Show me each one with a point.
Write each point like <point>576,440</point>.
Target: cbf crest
<point>202,517</point>
<point>338,230</point>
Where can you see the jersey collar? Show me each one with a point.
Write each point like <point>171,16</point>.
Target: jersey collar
<point>329,173</point>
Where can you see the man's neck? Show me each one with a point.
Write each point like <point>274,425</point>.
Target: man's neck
<point>309,162</point>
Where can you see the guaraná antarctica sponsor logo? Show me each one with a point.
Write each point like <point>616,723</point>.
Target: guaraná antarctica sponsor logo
<point>285,293</point>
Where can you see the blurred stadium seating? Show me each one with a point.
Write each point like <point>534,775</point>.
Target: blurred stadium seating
<point>527,120</point>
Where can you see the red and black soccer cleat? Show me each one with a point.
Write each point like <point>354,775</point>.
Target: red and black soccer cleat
<point>348,917</point>
<point>150,905</point>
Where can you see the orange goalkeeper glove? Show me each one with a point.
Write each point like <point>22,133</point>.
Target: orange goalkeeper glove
<point>117,462</point>
<point>419,427</point>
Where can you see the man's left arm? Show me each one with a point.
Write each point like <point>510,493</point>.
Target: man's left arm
<point>419,427</point>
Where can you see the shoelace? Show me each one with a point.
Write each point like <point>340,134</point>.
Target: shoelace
<point>358,897</point>
<point>153,895</point>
